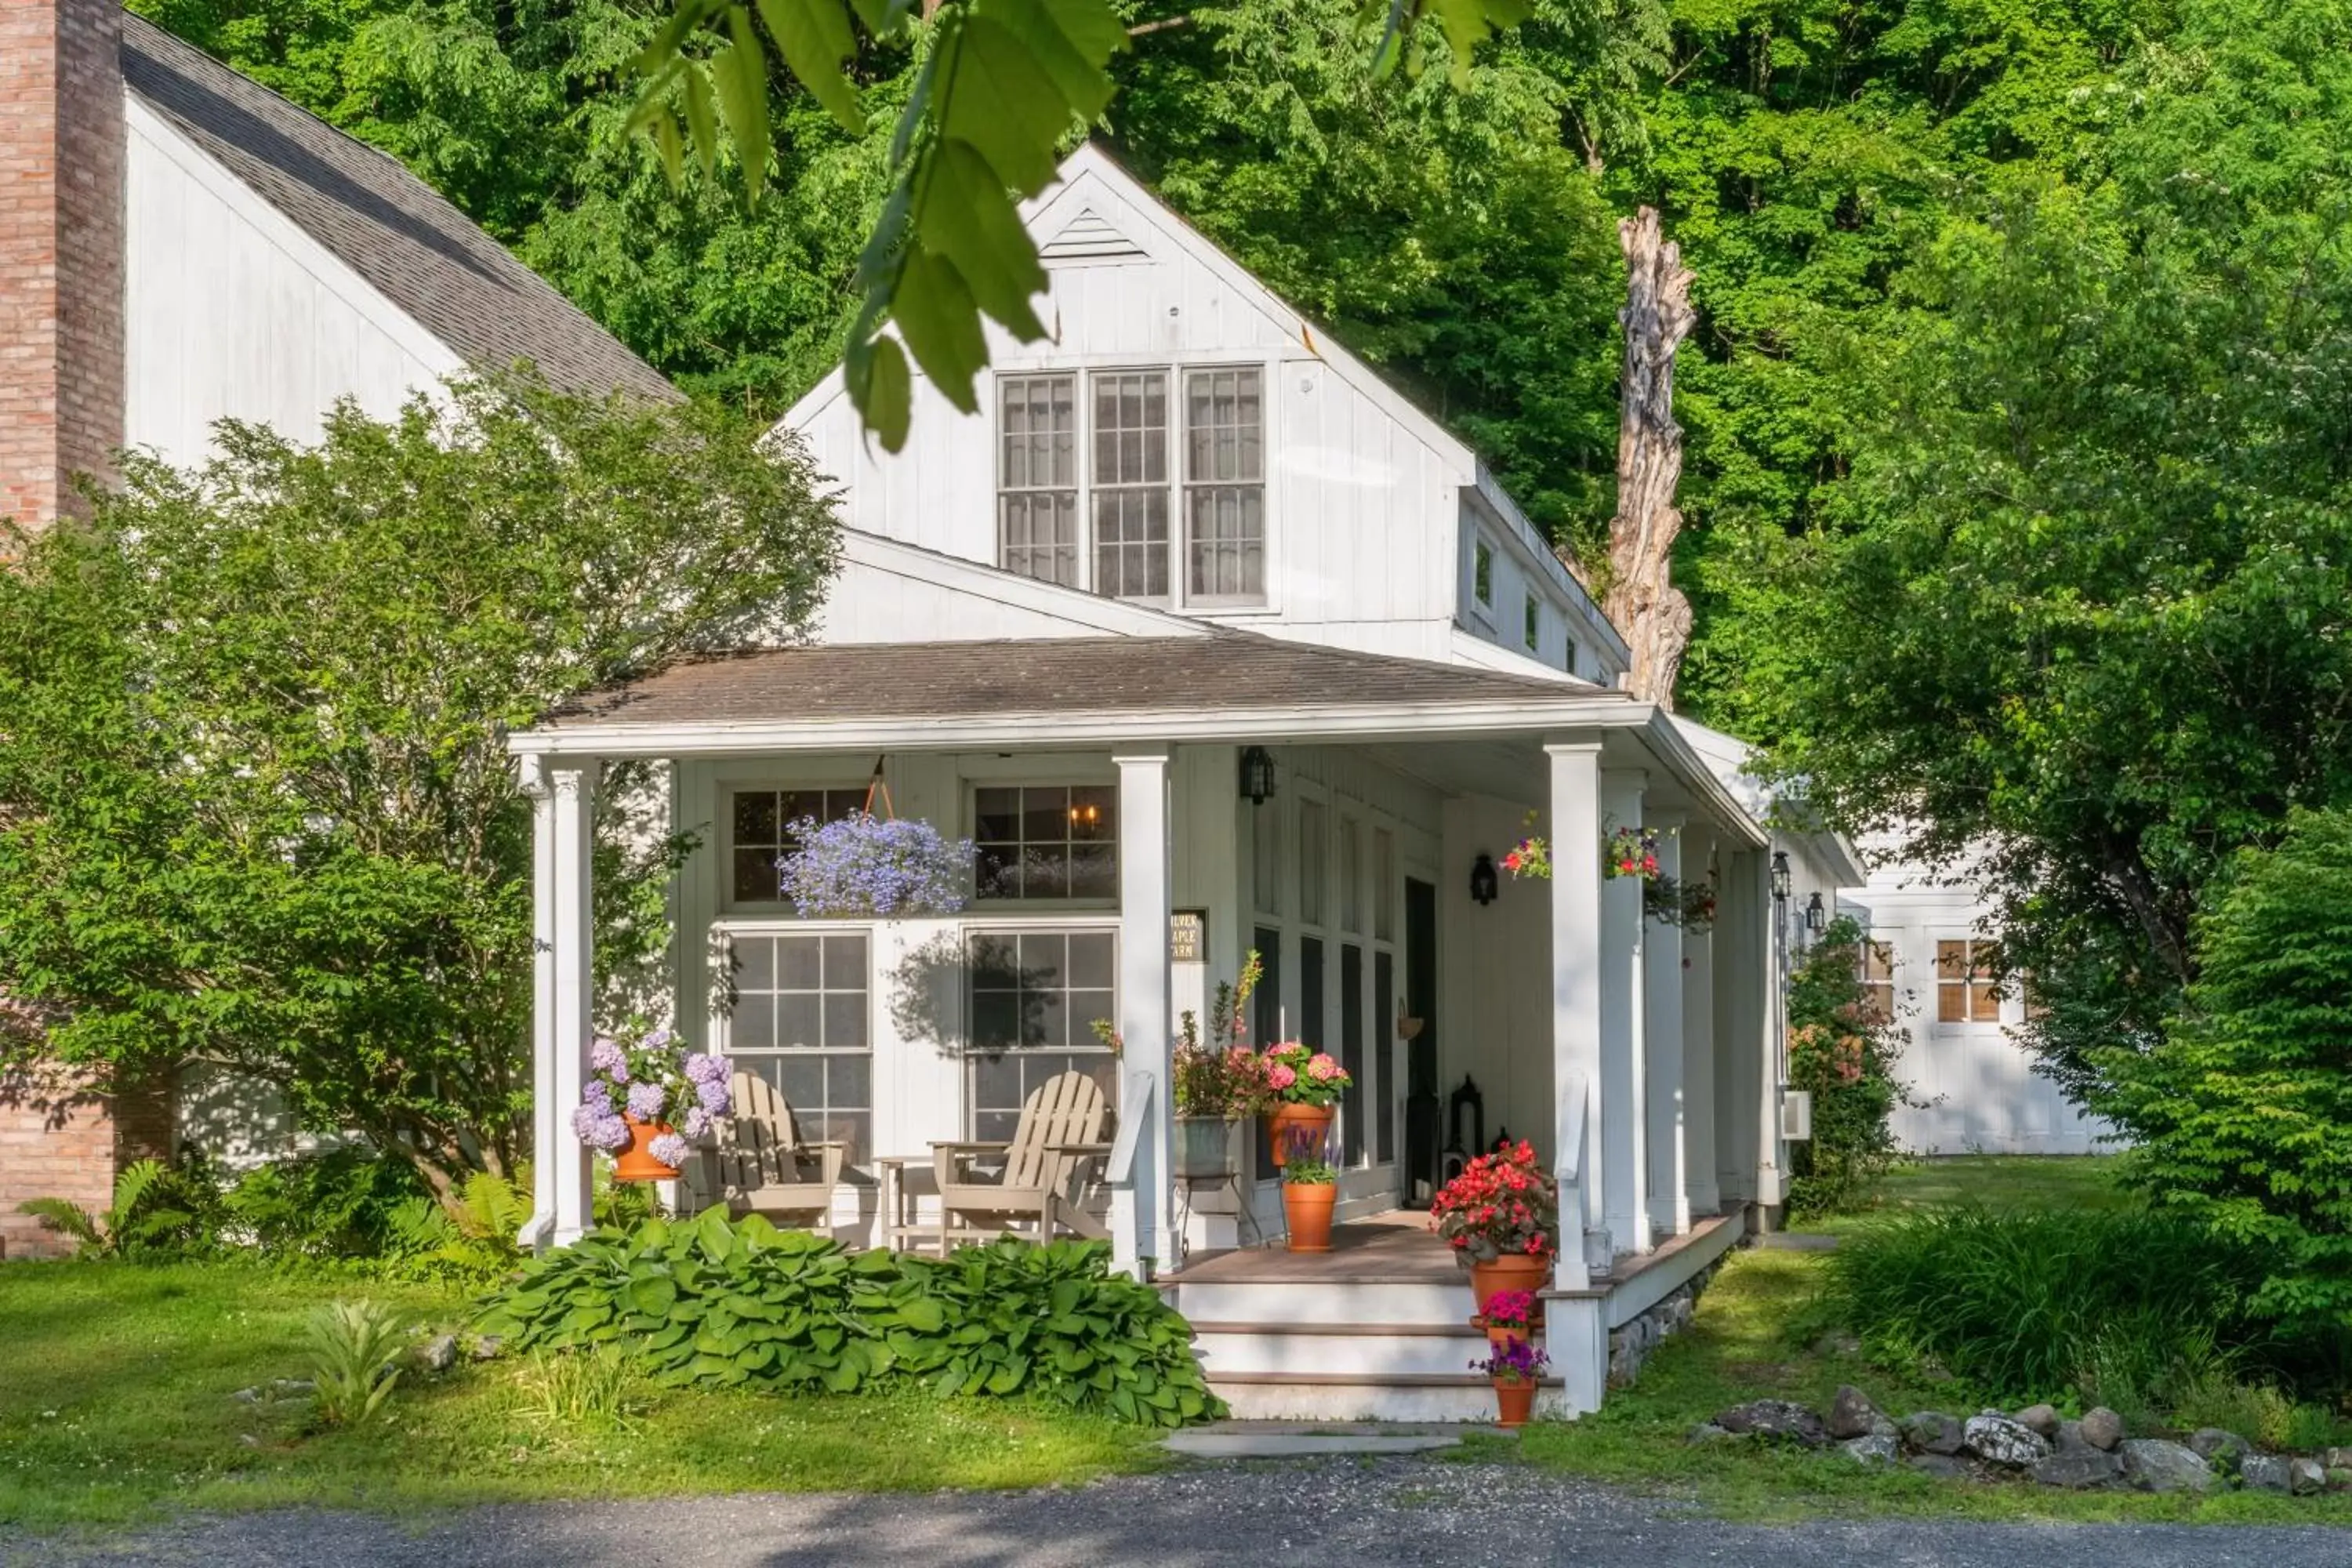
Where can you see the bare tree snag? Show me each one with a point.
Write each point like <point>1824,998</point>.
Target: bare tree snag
<point>1643,602</point>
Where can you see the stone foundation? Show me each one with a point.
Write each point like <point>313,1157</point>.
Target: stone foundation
<point>1630,1343</point>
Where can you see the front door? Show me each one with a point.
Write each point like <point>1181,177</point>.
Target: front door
<point>1418,1181</point>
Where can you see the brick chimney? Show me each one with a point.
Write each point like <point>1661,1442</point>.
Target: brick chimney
<point>61,192</point>
<point>63,1133</point>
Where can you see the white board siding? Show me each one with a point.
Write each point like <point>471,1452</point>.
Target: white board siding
<point>887,591</point>
<point>231,312</point>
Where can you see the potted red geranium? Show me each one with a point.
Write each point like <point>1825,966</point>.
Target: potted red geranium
<point>1301,1093</point>
<point>1502,1215</point>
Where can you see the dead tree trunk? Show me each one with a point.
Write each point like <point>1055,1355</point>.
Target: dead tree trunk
<point>1643,602</point>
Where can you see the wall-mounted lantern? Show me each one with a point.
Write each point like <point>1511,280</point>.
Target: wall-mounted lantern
<point>1781,875</point>
<point>1816,917</point>
<point>1483,883</point>
<point>1257,775</point>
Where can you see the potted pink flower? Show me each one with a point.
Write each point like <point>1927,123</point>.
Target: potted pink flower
<point>1302,1092</point>
<point>649,1098</point>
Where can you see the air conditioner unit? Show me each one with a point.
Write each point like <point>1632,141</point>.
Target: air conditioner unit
<point>1797,1115</point>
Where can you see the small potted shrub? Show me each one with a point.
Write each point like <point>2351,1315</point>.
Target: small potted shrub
<point>1309,1187</point>
<point>868,867</point>
<point>1302,1091</point>
<point>1512,1314</point>
<point>649,1099</point>
<point>1501,1216</point>
<point>1218,1085</point>
<point>1513,1367</point>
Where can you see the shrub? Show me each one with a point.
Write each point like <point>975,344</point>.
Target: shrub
<point>1844,1057</point>
<point>355,1349</point>
<point>2244,1111</point>
<point>2034,1304</point>
<point>720,1302</point>
<point>156,1210</point>
<point>344,1202</point>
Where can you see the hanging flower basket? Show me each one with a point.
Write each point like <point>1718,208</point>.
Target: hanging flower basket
<point>874,868</point>
<point>1630,852</point>
<point>649,1099</point>
<point>1690,905</point>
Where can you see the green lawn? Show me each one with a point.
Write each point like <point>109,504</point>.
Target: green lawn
<point>1757,1335</point>
<point>116,1406</point>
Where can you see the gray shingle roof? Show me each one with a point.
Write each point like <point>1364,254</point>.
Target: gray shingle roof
<point>387,224</point>
<point>1234,670</point>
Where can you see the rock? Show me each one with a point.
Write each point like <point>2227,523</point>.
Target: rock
<point>1778,1418</point>
<point>2080,1467</point>
<point>2041,1420</point>
<point>1837,1342</point>
<point>275,1388</point>
<point>1933,1432</point>
<point>2103,1428</point>
<point>2264,1472</point>
<point>1943,1467</point>
<point>486,1348</point>
<point>2339,1479</point>
<point>1873,1450</point>
<point>1852,1415</point>
<point>1882,1426</point>
<point>438,1353</point>
<point>1997,1440</point>
<point>2214,1445</point>
<point>1708,1431</point>
<point>2336,1458</point>
<point>2306,1477</point>
<point>2157,1466</point>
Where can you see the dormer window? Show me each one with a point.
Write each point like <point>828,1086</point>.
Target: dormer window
<point>1129,490</point>
<point>1533,616</point>
<point>1482,573</point>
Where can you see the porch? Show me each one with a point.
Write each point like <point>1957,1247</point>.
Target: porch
<point>1124,870</point>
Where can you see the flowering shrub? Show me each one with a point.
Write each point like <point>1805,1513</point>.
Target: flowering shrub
<point>1224,1079</point>
<point>867,864</point>
<point>1510,1308</point>
<point>1514,1360</point>
<point>1297,1076</point>
<point>1843,1054</point>
<point>650,1077</point>
<point>1503,1202</point>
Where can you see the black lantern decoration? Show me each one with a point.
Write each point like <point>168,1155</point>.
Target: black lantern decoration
<point>1257,775</point>
<point>1483,884</point>
<point>1781,875</point>
<point>1815,916</point>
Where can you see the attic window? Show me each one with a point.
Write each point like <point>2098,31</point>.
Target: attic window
<point>1482,573</point>
<point>1533,615</point>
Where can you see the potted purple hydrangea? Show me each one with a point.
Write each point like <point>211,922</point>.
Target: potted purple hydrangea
<point>868,866</point>
<point>649,1099</point>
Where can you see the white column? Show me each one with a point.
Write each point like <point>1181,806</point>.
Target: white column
<point>1144,984</point>
<point>547,1129</point>
<point>1771,1179</point>
<point>1622,1157</point>
<point>572,782</point>
<point>1702,1193</point>
<point>1662,1054</point>
<point>1576,888</point>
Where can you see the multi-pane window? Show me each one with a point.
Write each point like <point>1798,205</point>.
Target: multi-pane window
<point>1352,875</point>
<point>1265,857</point>
<point>1057,841</point>
<point>1965,987</point>
<point>1130,496</point>
<point>1310,862</point>
<point>1532,613</point>
<point>1875,966</point>
<point>1224,483</point>
<point>1037,476</point>
<point>1035,998</point>
<point>1482,573</point>
<point>801,1021</point>
<point>1383,885</point>
<point>763,820</point>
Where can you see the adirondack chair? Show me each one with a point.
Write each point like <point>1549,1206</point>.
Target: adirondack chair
<point>1062,1127</point>
<point>765,1169</point>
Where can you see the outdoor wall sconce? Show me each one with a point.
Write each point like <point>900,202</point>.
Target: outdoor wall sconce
<point>1257,775</point>
<point>1815,916</point>
<point>1781,875</point>
<point>1483,884</point>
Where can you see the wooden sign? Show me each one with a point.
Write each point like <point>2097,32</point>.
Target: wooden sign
<point>1188,936</point>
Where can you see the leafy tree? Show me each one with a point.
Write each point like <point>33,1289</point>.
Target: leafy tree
<point>2245,1109</point>
<point>254,803</point>
<point>2088,611</point>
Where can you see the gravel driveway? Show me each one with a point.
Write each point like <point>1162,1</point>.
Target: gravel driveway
<point>1347,1513</point>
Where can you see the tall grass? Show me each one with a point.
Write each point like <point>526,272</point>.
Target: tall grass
<point>2134,1309</point>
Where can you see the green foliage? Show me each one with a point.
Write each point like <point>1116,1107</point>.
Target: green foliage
<point>156,1209</point>
<point>2026,1304</point>
<point>712,1302</point>
<point>593,1388</point>
<point>256,806</point>
<point>347,1202</point>
<point>1845,1058</point>
<point>355,1349</point>
<point>472,1237</point>
<point>2246,1111</point>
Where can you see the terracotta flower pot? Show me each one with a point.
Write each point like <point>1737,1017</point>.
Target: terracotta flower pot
<point>1281,1119</point>
<point>1499,1336</point>
<point>636,1163</point>
<point>1514,1271</point>
<point>1307,1206</point>
<point>1514,1402</point>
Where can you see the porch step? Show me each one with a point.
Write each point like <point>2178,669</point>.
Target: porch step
<point>1322,1301</point>
<point>1345,1396</point>
<point>1368,1351</point>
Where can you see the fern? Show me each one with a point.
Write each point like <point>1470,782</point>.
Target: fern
<point>68,1218</point>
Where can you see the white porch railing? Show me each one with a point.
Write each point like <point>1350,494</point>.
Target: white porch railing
<point>1129,1150</point>
<point>1571,1266</point>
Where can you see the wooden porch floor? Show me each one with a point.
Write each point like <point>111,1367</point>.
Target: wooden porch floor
<point>1399,1247</point>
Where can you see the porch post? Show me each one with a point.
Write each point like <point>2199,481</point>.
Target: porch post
<point>1576,945</point>
<point>1144,985</point>
<point>1702,1191</point>
<point>571,784</point>
<point>547,1128</point>
<point>1662,1028</point>
<point>1624,1162</point>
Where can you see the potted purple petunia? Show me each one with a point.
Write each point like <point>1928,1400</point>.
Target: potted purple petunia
<point>1513,1368</point>
<point>649,1100</point>
<point>874,867</point>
